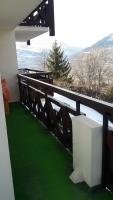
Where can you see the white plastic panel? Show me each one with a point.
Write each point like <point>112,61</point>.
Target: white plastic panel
<point>87,151</point>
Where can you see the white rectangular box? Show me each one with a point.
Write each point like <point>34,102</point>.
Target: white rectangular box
<point>87,151</point>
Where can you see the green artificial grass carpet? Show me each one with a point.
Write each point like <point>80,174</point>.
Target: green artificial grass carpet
<point>40,165</point>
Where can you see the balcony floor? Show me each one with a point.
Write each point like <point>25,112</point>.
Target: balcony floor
<point>41,166</point>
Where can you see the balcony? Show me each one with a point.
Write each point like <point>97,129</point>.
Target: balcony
<point>40,140</point>
<point>41,166</point>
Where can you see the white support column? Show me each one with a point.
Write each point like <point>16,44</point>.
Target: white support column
<point>6,183</point>
<point>8,61</point>
<point>87,151</point>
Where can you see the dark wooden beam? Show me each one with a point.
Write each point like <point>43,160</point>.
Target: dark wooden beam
<point>28,42</point>
<point>42,16</point>
<point>51,18</point>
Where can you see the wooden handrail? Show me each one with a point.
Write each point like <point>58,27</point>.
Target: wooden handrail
<point>100,106</point>
<point>35,70</point>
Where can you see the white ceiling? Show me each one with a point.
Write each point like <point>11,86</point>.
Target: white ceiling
<point>13,12</point>
<point>24,33</point>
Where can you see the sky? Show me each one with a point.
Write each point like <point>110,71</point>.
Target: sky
<point>79,23</point>
<point>83,22</point>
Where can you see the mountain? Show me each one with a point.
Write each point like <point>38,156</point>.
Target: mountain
<point>27,59</point>
<point>35,59</point>
<point>70,51</point>
<point>105,44</point>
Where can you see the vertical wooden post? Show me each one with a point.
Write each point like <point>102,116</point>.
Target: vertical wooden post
<point>51,17</point>
<point>78,107</point>
<point>104,150</point>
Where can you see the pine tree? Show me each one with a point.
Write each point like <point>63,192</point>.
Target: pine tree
<point>58,63</point>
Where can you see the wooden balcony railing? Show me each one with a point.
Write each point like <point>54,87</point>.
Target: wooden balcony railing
<point>35,95</point>
<point>38,75</point>
<point>33,73</point>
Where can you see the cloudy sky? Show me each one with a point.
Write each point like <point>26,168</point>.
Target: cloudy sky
<point>79,23</point>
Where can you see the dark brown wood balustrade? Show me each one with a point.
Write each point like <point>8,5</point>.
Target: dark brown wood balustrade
<point>38,75</point>
<point>35,95</point>
<point>35,72</point>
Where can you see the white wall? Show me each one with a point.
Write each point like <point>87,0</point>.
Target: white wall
<point>6,184</point>
<point>8,61</point>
